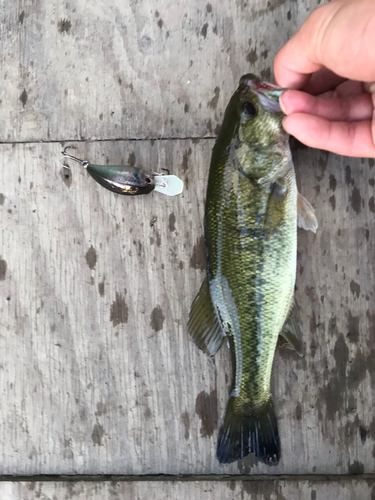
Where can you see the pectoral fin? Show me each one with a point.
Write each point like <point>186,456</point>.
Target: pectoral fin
<point>306,218</point>
<point>292,329</point>
<point>204,325</point>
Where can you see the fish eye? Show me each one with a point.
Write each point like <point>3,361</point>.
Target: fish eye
<point>148,180</point>
<point>249,109</point>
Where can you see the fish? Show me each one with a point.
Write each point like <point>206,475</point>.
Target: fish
<point>250,229</point>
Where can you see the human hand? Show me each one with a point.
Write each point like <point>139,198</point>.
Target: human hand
<point>331,61</point>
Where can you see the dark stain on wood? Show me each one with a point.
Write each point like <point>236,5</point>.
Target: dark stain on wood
<point>356,200</point>
<point>185,160</point>
<point>371,330</point>
<point>206,407</point>
<point>2,199</point>
<point>97,435</point>
<point>131,159</point>
<point>341,355</point>
<point>213,102</point>
<point>91,257</point>
<point>312,323</point>
<point>332,182</point>
<point>356,467</point>
<point>357,371</point>
<point>232,485</point>
<point>198,256</point>
<point>332,201</point>
<point>21,17</point>
<point>172,222</point>
<point>101,409</point>
<point>266,74</point>
<point>66,176</point>
<point>355,288</point>
<point>363,434</point>
<point>371,204</point>
<point>101,288</point>
<point>333,397</point>
<point>349,181</point>
<point>257,489</point>
<point>157,319</point>
<point>3,269</point>
<point>64,26</point>
<point>24,97</point>
<point>204,30</point>
<point>353,327</point>
<point>119,311</point>
<point>298,411</point>
<point>252,56</point>
<point>185,419</point>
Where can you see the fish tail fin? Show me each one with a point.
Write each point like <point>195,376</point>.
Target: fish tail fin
<point>249,429</point>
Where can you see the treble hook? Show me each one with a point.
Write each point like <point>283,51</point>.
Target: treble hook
<point>64,154</point>
<point>161,173</point>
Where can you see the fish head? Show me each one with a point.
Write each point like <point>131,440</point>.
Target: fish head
<point>259,113</point>
<point>253,124</point>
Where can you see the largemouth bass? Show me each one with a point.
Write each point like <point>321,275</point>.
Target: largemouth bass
<point>252,209</point>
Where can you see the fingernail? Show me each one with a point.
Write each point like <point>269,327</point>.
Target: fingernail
<point>282,104</point>
<point>285,124</point>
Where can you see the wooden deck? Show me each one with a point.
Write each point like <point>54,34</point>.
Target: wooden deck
<point>97,373</point>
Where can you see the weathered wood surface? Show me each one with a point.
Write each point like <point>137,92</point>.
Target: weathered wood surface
<point>99,69</point>
<point>98,374</point>
<point>353,489</point>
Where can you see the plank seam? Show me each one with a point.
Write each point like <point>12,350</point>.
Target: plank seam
<point>314,478</point>
<point>115,139</point>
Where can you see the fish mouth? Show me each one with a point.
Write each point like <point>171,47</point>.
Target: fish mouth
<point>268,93</point>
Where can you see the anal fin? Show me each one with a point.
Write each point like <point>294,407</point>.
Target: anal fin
<point>204,325</point>
<point>292,329</point>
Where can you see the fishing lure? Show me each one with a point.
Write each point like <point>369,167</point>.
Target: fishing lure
<point>122,179</point>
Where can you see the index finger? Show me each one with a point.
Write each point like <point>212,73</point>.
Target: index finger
<point>298,59</point>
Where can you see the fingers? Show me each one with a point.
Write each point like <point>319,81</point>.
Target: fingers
<point>338,35</point>
<point>356,108</point>
<point>298,58</point>
<point>348,139</point>
<point>322,81</point>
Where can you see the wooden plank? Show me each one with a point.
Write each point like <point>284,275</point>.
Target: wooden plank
<point>353,489</point>
<point>97,373</point>
<point>95,70</point>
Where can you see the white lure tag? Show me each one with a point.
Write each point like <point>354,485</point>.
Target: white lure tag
<point>168,184</point>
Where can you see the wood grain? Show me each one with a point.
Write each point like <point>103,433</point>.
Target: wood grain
<point>98,374</point>
<point>149,69</point>
<point>350,489</point>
